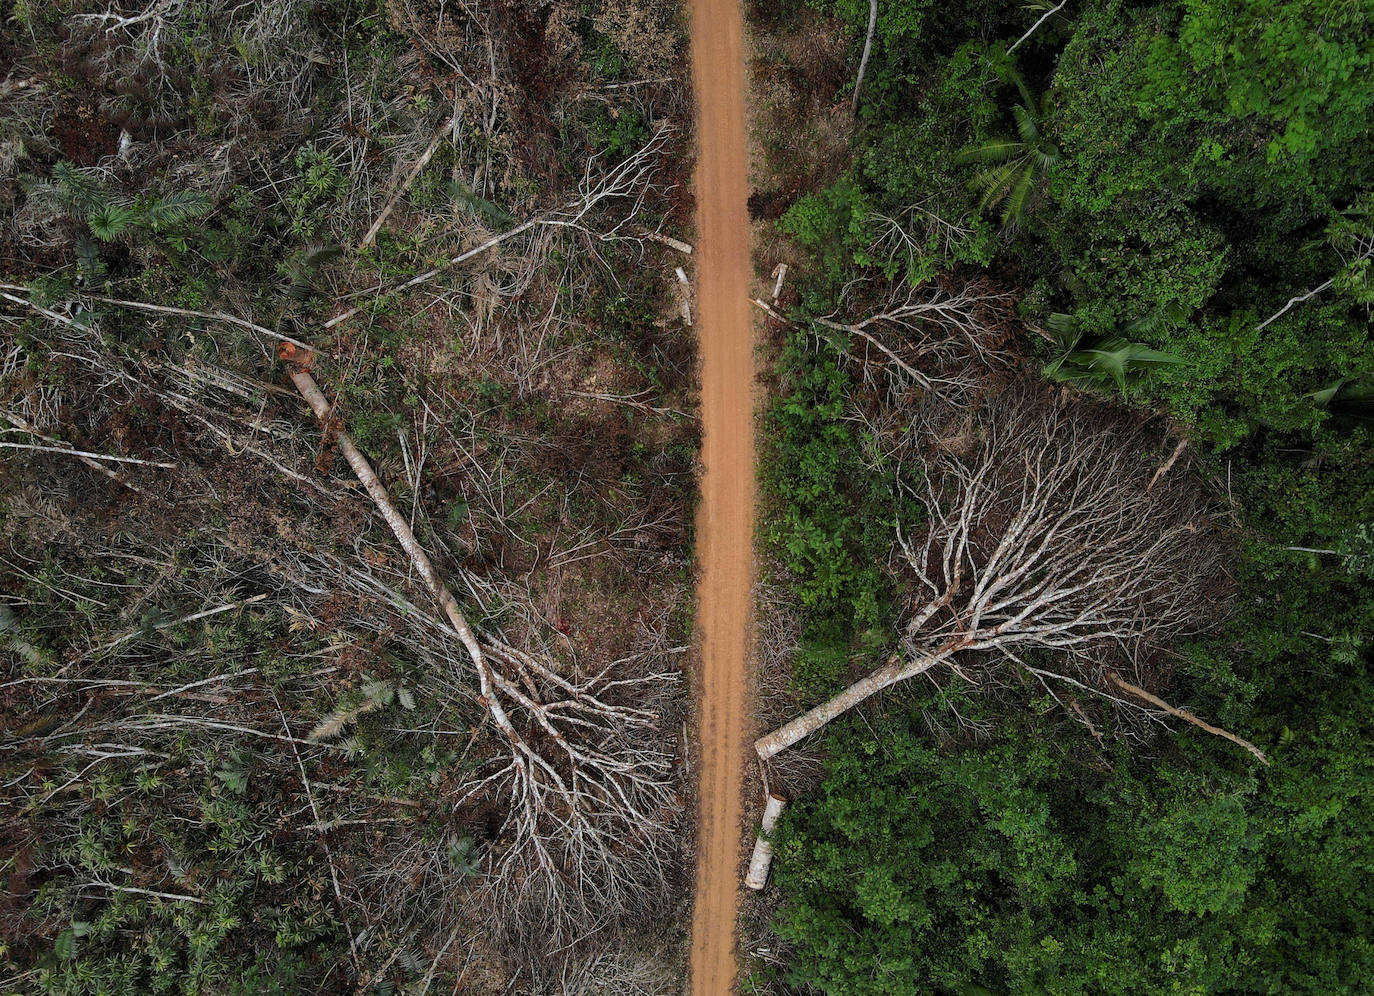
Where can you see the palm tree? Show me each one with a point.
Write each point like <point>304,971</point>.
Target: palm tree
<point>1097,360</point>
<point>1016,164</point>
<point>82,192</point>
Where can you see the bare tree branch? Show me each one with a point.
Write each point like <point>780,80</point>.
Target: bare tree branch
<point>1185,715</point>
<point>868,48</point>
<point>586,785</point>
<point>1045,537</point>
<point>1043,18</point>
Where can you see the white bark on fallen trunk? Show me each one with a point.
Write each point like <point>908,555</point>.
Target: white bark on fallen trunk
<point>895,671</point>
<point>868,49</point>
<point>762,858</point>
<point>780,273</point>
<point>686,295</point>
<point>414,171</point>
<point>305,383</point>
<point>670,242</point>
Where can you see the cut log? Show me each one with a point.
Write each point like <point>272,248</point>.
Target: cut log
<point>670,242</point>
<point>779,272</point>
<point>762,859</point>
<point>686,295</point>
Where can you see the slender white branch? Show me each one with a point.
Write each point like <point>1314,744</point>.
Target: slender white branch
<point>86,454</point>
<point>868,48</point>
<point>1043,18</point>
<point>1293,301</point>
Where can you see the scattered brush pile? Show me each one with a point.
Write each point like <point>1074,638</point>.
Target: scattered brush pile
<point>244,748</point>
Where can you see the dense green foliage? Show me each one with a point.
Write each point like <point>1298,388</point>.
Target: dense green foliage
<point>1200,161</point>
<point>1032,863</point>
<point>830,521</point>
<point>1159,179</point>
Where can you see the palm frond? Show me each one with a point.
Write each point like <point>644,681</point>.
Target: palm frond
<point>1323,396</point>
<point>1113,359</point>
<point>79,190</point>
<point>175,208</point>
<point>1015,208</point>
<point>89,266</point>
<point>996,183</point>
<point>1169,314</point>
<point>1067,330</point>
<point>993,150</point>
<point>479,206</point>
<point>301,270</point>
<point>1027,126</point>
<point>1013,76</point>
<point>108,221</point>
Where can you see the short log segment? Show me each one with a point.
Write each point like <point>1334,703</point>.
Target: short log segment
<point>762,858</point>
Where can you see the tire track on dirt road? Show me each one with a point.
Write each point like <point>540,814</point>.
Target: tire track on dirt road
<point>725,519</point>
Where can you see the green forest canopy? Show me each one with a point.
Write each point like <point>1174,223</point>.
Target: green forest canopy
<point>1175,174</point>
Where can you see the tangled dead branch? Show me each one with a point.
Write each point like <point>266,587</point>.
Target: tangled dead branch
<point>916,235</point>
<point>940,341</point>
<point>1044,535</point>
<point>583,778</point>
<point>629,184</point>
<point>935,339</point>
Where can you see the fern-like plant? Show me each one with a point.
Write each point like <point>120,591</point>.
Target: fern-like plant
<point>465,856</point>
<point>79,191</point>
<point>300,271</point>
<point>82,193</point>
<point>1015,166</point>
<point>173,209</point>
<point>491,213</point>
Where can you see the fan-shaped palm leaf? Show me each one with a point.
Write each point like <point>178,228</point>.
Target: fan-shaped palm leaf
<point>479,206</point>
<point>994,151</point>
<point>1027,158</point>
<point>1152,321</point>
<point>301,270</point>
<point>1066,329</point>
<point>108,221</point>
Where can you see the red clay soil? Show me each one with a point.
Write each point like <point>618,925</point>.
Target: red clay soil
<point>726,516</point>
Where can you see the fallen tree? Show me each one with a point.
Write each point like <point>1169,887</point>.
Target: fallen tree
<point>586,781</point>
<point>1044,534</point>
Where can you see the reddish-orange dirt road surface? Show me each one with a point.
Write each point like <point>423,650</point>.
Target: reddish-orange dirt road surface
<point>725,520</point>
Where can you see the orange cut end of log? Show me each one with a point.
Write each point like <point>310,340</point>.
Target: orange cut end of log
<point>290,353</point>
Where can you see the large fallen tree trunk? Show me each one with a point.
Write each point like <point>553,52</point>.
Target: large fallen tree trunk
<point>585,773</point>
<point>897,670</point>
<point>1048,536</point>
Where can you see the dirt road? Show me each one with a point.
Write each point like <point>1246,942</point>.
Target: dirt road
<point>725,519</point>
